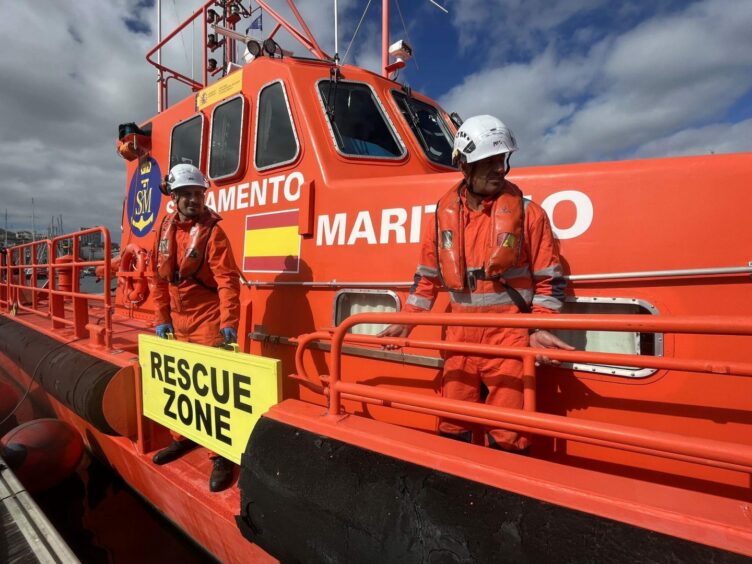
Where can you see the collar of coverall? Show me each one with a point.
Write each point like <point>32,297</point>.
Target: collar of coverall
<point>486,202</point>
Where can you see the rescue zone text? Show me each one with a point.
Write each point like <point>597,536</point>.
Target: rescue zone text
<point>209,395</point>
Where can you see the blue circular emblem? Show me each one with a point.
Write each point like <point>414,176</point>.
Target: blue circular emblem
<point>144,198</point>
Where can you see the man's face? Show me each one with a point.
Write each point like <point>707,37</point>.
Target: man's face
<point>189,201</point>
<point>486,177</point>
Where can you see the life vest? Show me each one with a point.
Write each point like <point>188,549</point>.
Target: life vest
<point>503,247</point>
<point>167,267</point>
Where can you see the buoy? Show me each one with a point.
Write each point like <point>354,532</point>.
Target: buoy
<point>43,452</point>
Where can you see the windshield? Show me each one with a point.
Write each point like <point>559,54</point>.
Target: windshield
<point>428,127</point>
<point>358,124</point>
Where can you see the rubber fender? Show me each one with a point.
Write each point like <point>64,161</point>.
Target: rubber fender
<point>309,498</point>
<point>75,379</point>
<point>42,453</point>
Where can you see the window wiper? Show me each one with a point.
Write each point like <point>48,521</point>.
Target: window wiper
<point>412,114</point>
<point>331,100</point>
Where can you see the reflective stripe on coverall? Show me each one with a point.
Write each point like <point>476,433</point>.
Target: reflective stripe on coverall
<point>537,276</point>
<point>199,306</point>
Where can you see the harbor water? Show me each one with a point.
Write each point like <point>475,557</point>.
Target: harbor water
<point>104,521</point>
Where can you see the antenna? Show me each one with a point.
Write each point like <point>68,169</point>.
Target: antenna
<point>159,56</point>
<point>439,6</point>
<point>386,68</point>
<point>384,37</point>
<point>336,34</point>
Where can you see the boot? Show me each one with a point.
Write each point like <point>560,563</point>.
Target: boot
<point>221,476</point>
<point>174,450</point>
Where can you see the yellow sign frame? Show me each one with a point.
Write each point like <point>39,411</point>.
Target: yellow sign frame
<point>223,88</point>
<point>209,395</point>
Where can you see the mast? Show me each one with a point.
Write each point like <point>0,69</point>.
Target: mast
<point>384,37</point>
<point>33,222</point>
<point>159,56</point>
<point>336,34</point>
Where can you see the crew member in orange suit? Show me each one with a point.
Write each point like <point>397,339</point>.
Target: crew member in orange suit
<point>495,252</point>
<point>197,293</point>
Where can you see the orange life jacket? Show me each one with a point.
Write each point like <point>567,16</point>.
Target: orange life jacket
<point>503,247</point>
<point>168,268</point>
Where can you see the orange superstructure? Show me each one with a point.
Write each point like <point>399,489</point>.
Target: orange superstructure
<point>325,176</point>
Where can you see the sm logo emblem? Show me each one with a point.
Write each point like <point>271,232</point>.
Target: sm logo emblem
<point>144,198</point>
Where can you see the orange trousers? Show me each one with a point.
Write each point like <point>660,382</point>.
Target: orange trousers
<point>463,375</point>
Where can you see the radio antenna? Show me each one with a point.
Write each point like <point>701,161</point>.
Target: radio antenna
<point>336,34</point>
<point>439,6</point>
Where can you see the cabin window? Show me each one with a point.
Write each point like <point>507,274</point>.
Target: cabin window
<point>185,143</point>
<point>428,126</point>
<point>357,122</point>
<point>276,141</point>
<point>626,342</point>
<point>226,138</point>
<point>350,302</point>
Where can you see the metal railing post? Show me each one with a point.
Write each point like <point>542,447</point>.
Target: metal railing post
<point>707,452</point>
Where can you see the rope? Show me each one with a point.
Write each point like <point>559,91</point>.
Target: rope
<point>34,376</point>
<point>399,11</point>
<point>356,31</point>
<point>182,40</point>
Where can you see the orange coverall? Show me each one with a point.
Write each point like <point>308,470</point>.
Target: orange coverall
<point>537,276</point>
<point>196,310</point>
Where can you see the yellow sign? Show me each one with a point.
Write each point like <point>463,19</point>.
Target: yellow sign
<point>224,88</point>
<point>211,396</point>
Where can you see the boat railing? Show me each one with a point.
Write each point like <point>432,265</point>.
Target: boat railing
<point>3,279</point>
<point>707,452</point>
<point>60,300</point>
<point>22,265</point>
<point>225,14</point>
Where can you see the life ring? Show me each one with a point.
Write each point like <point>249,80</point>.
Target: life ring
<point>133,261</point>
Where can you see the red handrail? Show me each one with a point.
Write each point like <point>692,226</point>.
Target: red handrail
<point>305,37</point>
<point>308,41</point>
<point>80,300</point>
<point>194,85</point>
<point>668,445</point>
<point>55,309</point>
<point>18,272</point>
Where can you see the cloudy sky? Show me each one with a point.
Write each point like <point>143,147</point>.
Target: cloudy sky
<point>577,80</point>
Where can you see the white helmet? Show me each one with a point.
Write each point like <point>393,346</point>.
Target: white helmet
<point>481,137</point>
<point>185,175</point>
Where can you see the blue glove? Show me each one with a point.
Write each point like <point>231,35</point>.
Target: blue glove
<point>230,335</point>
<point>163,329</point>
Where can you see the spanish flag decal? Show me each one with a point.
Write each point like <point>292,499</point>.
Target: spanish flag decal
<point>272,242</point>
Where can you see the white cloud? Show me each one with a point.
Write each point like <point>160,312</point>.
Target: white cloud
<point>531,98</point>
<point>492,27</point>
<point>663,87</point>
<point>716,138</point>
<point>69,79</point>
<point>668,74</point>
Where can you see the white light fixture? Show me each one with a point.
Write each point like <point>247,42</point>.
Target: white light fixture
<point>401,51</point>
